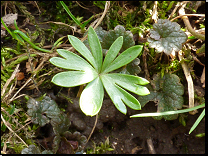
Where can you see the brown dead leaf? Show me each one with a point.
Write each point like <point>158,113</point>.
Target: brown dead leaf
<point>28,66</point>
<point>20,76</point>
<point>203,78</point>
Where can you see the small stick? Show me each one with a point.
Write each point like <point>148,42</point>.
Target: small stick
<point>10,79</point>
<point>188,25</point>
<point>92,130</point>
<point>12,130</point>
<point>150,146</point>
<point>189,81</point>
<point>147,75</point>
<point>203,15</point>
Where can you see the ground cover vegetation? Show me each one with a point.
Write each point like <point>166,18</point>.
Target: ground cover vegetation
<point>83,76</point>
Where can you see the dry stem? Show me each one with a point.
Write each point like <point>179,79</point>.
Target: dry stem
<point>10,79</point>
<point>188,25</point>
<point>189,81</point>
<point>12,130</point>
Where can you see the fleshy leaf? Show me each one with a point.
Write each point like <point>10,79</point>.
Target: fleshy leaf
<point>41,111</point>
<point>119,96</point>
<point>113,52</point>
<point>167,94</point>
<point>73,78</point>
<point>124,58</point>
<point>83,50</point>
<point>95,48</point>
<point>130,82</point>
<point>166,36</point>
<point>71,61</point>
<point>91,98</point>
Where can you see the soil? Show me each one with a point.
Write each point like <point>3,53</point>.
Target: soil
<point>130,135</point>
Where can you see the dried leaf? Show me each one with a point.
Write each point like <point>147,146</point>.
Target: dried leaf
<point>28,66</point>
<point>20,76</point>
<point>203,78</point>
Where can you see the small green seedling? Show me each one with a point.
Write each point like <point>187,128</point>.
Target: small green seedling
<point>176,112</point>
<point>21,37</point>
<point>82,26</point>
<point>96,73</point>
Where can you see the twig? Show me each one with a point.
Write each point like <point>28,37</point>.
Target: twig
<point>154,12</point>
<point>196,59</point>
<point>174,10</point>
<point>10,79</point>
<point>203,78</point>
<point>150,146</point>
<point>203,15</point>
<point>12,130</point>
<point>147,75</point>
<point>82,6</point>
<point>35,72</point>
<point>189,81</point>
<point>188,25</point>
<point>92,130</point>
<point>107,5</point>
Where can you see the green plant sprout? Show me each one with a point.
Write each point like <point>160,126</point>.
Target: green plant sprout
<point>15,34</point>
<point>100,149</point>
<point>96,72</point>
<point>197,121</point>
<point>175,112</point>
<point>82,26</point>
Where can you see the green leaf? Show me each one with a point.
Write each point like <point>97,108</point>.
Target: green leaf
<point>73,78</point>
<point>167,94</point>
<point>109,37</point>
<point>130,82</point>
<point>95,48</point>
<point>119,96</point>
<point>91,98</point>
<point>113,52</point>
<point>60,123</point>
<point>70,14</point>
<point>166,36</point>
<point>202,115</point>
<point>41,111</point>
<point>76,136</point>
<point>168,112</point>
<point>124,58</point>
<point>32,149</point>
<point>83,50</point>
<point>71,61</point>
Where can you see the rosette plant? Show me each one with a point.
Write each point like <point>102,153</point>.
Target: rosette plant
<point>98,74</point>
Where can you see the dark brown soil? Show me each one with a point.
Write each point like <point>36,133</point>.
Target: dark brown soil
<point>129,135</point>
